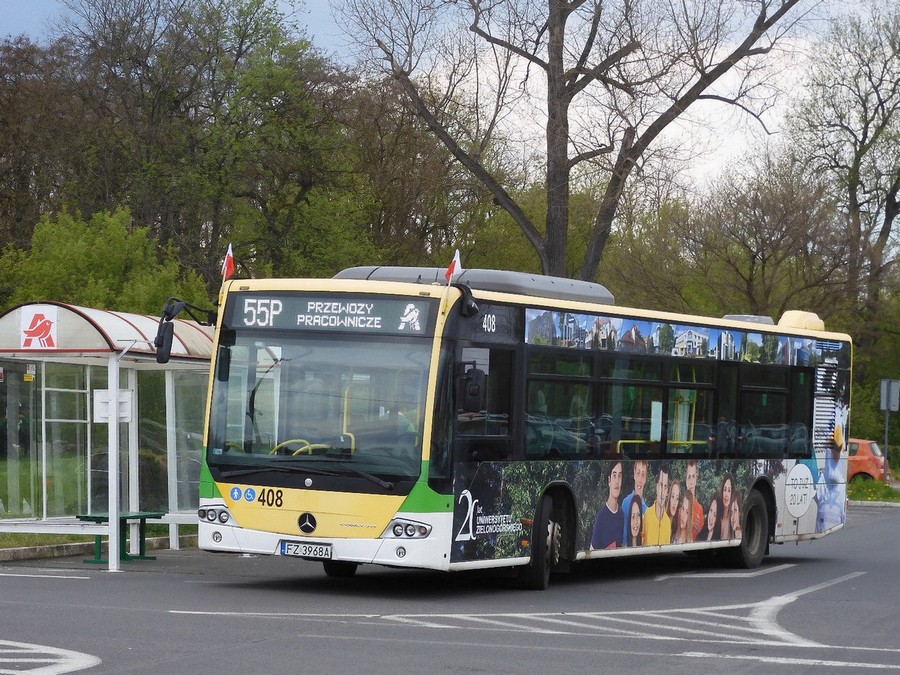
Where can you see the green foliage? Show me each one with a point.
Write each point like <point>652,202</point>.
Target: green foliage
<point>646,264</point>
<point>866,420</point>
<point>104,263</point>
<point>295,206</point>
<point>501,245</point>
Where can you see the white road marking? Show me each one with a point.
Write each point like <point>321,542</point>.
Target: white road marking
<point>743,624</point>
<point>761,571</point>
<point>42,576</point>
<point>22,658</point>
<point>788,661</point>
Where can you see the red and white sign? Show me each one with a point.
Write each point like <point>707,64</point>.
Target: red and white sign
<point>39,327</point>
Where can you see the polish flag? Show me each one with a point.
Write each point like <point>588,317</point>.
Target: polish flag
<point>454,268</point>
<point>228,265</point>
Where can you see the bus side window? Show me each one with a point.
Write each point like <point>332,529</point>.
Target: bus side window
<point>440,473</point>
<point>560,424</point>
<point>484,434</point>
<point>635,414</point>
<point>689,425</point>
<point>763,412</point>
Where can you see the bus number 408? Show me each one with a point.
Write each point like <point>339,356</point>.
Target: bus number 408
<point>270,497</point>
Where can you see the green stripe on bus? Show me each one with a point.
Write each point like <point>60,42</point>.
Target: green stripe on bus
<point>422,499</point>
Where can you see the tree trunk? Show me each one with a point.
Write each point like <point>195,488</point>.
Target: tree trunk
<point>557,225</point>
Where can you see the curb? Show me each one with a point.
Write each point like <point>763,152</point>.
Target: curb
<point>48,551</point>
<point>80,548</point>
<point>894,505</point>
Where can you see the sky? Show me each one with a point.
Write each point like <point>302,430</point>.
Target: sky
<point>34,18</point>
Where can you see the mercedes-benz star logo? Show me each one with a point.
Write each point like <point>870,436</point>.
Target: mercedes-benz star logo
<point>307,522</point>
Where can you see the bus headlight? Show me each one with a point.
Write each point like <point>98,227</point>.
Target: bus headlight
<point>401,528</point>
<point>218,515</point>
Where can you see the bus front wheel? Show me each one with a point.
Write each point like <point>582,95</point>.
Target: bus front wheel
<point>755,532</point>
<point>544,547</point>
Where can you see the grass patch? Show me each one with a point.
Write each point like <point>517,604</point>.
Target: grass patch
<point>872,491</point>
<point>157,530</point>
<point>19,540</point>
<point>16,540</point>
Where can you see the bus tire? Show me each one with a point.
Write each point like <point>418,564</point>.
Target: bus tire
<point>544,548</point>
<point>339,569</point>
<point>755,532</point>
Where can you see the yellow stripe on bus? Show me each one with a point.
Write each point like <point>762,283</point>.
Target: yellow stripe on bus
<point>337,514</point>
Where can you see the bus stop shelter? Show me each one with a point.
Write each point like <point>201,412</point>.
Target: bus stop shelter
<point>82,399</point>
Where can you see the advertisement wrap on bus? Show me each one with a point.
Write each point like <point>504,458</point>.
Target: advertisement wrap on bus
<point>389,417</point>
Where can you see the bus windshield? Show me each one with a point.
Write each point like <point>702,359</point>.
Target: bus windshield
<point>343,404</point>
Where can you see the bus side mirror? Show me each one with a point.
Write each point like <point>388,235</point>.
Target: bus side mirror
<point>163,341</point>
<point>166,331</point>
<point>474,390</point>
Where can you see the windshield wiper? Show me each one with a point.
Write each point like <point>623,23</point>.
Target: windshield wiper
<point>261,468</point>
<point>305,468</point>
<point>387,485</point>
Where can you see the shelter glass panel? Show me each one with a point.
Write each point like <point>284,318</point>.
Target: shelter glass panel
<point>67,450</point>
<point>190,387</point>
<point>98,467</point>
<point>21,486</point>
<point>152,456</point>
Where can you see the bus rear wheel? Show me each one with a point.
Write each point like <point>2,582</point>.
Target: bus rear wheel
<point>755,532</point>
<point>339,569</point>
<point>544,548</point>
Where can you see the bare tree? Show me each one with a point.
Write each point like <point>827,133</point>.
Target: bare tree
<point>766,237</point>
<point>769,238</point>
<point>614,76</point>
<point>849,124</point>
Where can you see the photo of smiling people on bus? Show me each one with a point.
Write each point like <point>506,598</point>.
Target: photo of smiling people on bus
<point>610,519</point>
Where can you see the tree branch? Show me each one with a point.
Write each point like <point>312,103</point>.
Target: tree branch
<point>503,198</point>
<point>590,154</point>
<point>598,72</point>
<point>475,28</point>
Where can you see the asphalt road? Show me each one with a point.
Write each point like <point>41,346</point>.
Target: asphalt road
<point>817,607</point>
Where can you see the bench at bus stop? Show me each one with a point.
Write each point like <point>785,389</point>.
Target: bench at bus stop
<point>125,517</point>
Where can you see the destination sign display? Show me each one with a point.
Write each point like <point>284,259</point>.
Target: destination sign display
<point>340,312</point>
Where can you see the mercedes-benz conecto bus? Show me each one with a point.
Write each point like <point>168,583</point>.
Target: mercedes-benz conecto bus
<point>512,420</point>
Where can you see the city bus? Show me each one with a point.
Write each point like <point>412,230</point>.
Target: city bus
<point>387,416</point>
